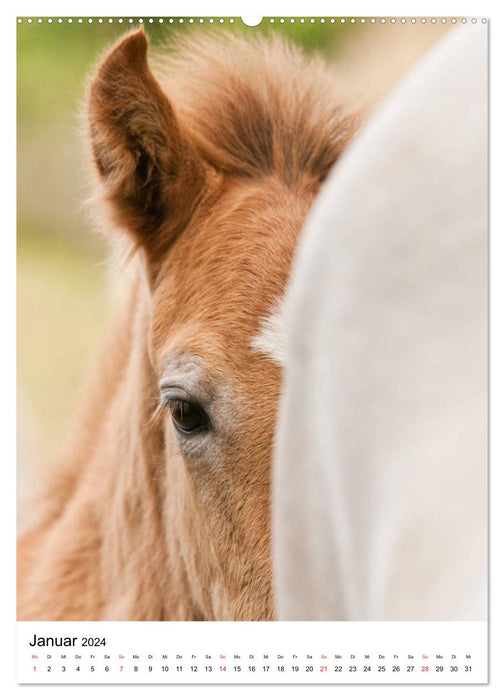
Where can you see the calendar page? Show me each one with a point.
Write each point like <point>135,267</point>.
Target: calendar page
<point>252,350</point>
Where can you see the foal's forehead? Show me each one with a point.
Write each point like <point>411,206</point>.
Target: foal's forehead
<point>228,270</point>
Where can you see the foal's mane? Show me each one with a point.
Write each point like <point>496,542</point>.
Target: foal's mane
<point>258,106</point>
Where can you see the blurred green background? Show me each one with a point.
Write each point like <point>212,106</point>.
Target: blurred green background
<point>62,281</point>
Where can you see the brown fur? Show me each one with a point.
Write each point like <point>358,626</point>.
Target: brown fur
<point>213,186</point>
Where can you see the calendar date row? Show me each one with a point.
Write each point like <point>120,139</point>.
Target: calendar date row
<point>304,668</point>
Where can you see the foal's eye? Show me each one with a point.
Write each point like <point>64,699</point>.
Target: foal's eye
<point>188,417</point>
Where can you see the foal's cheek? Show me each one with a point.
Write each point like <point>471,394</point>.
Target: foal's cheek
<point>218,499</point>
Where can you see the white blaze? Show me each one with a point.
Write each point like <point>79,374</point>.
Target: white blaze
<point>272,337</point>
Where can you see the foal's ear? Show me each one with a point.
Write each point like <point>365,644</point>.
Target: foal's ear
<point>151,174</point>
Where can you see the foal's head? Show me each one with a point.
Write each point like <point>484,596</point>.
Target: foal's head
<point>212,170</point>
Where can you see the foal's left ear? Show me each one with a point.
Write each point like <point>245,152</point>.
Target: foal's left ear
<point>151,174</point>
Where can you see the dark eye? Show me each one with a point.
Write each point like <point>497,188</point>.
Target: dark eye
<point>188,417</point>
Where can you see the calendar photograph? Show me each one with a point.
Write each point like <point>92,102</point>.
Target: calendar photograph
<point>252,349</point>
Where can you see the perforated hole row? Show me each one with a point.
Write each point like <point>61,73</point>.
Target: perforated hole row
<point>233,20</point>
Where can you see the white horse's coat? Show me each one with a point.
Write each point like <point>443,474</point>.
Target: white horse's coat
<point>379,491</point>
